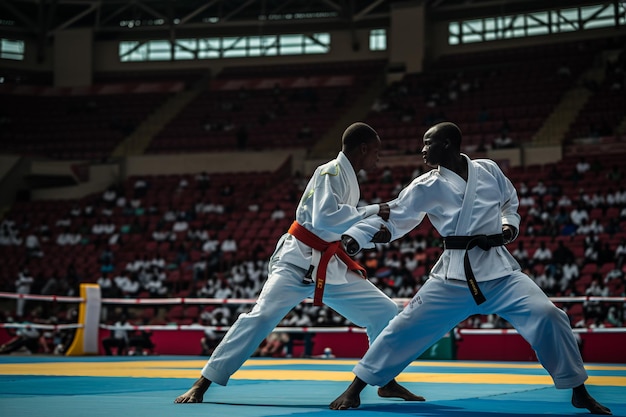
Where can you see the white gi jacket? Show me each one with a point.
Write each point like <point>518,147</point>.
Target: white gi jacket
<point>328,209</point>
<point>479,206</point>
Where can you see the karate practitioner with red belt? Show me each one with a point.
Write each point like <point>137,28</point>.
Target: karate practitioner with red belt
<point>310,262</point>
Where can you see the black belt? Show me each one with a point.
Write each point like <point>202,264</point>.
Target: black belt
<point>485,242</point>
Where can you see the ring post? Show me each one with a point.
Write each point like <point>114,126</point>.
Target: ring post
<point>86,338</point>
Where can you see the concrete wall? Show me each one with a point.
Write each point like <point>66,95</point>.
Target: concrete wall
<point>542,154</point>
<point>73,58</point>
<point>406,36</point>
<point>100,177</point>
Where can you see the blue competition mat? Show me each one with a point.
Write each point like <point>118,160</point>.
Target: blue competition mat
<point>147,386</point>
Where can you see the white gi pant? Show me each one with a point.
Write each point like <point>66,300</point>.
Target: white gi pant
<point>359,301</point>
<point>441,304</point>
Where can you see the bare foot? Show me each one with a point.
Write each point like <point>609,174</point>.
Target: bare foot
<point>351,397</point>
<point>582,399</point>
<point>395,390</point>
<point>346,400</point>
<point>195,394</point>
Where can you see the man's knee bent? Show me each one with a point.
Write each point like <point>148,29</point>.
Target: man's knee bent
<point>548,312</point>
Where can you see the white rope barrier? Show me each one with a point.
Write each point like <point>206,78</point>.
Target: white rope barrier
<point>344,329</point>
<point>41,326</point>
<point>238,301</point>
<point>401,301</point>
<point>59,298</point>
<point>513,331</point>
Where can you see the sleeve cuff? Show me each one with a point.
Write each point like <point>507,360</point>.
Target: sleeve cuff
<point>371,210</point>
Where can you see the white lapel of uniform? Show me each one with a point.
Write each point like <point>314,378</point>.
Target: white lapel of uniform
<point>463,224</point>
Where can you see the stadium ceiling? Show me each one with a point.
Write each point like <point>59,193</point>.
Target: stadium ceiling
<point>145,18</point>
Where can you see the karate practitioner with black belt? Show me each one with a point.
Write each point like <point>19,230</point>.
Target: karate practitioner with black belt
<point>473,205</point>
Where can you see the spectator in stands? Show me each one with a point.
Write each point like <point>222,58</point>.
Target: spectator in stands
<point>542,255</point>
<point>545,280</point>
<point>180,225</point>
<point>140,188</point>
<point>582,166</point>
<point>613,317</point>
<point>51,285</point>
<point>107,285</point>
<point>592,253</point>
<point>523,189</point>
<point>130,286</point>
<point>183,183</point>
<point>68,237</point>
<point>23,285</point>
<point>379,105</point>
<point>298,318</point>
<point>159,234</point>
<point>118,337</point>
<point>539,189</point>
<point>605,254</point>
<point>584,228</point>
<point>579,213</point>
<point>140,342</point>
<point>612,198</point>
<point>569,274</point>
<point>33,247</point>
<point>327,208</point>
<point>594,309</point>
<point>72,280</point>
<point>521,254</point>
<point>273,346</point>
<point>562,254</point>
<point>210,339</point>
<point>620,253</point>
<point>109,196</point>
<point>107,267</point>
<point>278,213</point>
<point>504,141</point>
<point>615,273</point>
<point>44,233</point>
<point>527,200</point>
<point>155,287</point>
<point>24,338</point>
<point>222,291</point>
<point>203,180</point>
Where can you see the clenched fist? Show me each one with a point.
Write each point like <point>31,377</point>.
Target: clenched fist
<point>350,245</point>
<point>383,211</point>
<point>382,236</point>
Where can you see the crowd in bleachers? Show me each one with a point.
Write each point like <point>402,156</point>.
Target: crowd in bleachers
<point>188,242</point>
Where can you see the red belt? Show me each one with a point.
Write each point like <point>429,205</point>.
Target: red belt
<point>328,250</point>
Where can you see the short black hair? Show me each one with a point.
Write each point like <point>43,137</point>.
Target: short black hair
<point>356,134</point>
<point>450,131</point>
